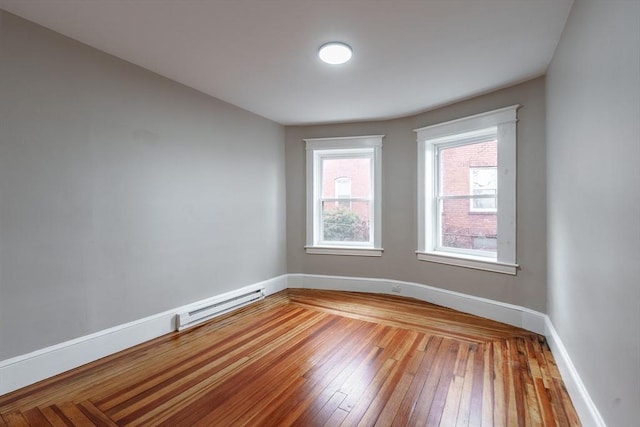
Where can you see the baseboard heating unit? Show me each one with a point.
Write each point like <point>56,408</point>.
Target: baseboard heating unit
<point>216,307</point>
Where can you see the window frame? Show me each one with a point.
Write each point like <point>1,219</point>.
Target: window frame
<point>449,142</point>
<point>318,149</point>
<point>462,131</point>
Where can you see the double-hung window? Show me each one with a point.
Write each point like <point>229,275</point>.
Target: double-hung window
<point>467,192</point>
<point>343,195</point>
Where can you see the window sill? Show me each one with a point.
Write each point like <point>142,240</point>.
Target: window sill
<point>351,251</point>
<point>468,262</point>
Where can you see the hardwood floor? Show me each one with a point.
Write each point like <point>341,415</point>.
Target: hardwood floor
<point>314,358</point>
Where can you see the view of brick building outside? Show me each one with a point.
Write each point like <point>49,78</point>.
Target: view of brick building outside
<point>463,225</point>
<point>347,179</point>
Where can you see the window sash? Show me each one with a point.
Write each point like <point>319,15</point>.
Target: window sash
<point>319,225</point>
<point>468,196</point>
<point>439,234</point>
<point>438,145</point>
<point>488,190</point>
<point>351,199</point>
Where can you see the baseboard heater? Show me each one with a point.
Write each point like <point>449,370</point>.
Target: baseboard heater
<point>216,307</point>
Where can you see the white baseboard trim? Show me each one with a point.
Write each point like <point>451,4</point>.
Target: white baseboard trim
<point>586,409</point>
<point>27,369</point>
<point>30,368</point>
<point>510,314</point>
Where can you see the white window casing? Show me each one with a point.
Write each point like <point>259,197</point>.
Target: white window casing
<point>320,149</point>
<point>502,124</point>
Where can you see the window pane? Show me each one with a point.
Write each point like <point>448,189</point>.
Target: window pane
<point>483,181</point>
<point>469,171</point>
<point>346,224</point>
<point>355,171</point>
<point>343,187</point>
<point>482,205</point>
<point>457,164</point>
<point>462,229</point>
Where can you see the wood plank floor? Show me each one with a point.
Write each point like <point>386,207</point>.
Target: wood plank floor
<point>314,358</point>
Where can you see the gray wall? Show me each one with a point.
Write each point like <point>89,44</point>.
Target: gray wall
<point>593,118</point>
<point>399,223</point>
<point>122,194</point>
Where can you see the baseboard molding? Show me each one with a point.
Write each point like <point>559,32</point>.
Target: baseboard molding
<point>510,314</point>
<point>27,369</point>
<point>586,409</point>
<point>30,368</point>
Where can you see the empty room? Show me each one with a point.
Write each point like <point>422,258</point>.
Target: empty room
<point>320,213</point>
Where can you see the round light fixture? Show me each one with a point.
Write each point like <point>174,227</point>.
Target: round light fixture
<point>335,53</point>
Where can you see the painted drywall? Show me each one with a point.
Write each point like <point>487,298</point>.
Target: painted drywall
<point>399,183</point>
<point>593,119</point>
<point>122,193</point>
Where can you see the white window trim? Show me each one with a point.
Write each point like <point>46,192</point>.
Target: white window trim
<point>313,245</point>
<point>467,261</point>
<point>504,120</point>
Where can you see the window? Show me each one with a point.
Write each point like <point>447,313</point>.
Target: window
<point>466,192</point>
<point>343,195</point>
<point>343,192</point>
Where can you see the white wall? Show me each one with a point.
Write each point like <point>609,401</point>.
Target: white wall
<point>122,194</point>
<point>593,159</point>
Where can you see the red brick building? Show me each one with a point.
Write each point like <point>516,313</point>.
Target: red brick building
<point>346,186</point>
<point>469,170</point>
<point>466,170</point>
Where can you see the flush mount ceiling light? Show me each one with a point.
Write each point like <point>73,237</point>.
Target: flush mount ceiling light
<point>335,53</point>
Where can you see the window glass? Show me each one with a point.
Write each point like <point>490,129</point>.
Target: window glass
<point>483,182</point>
<point>343,191</point>
<point>467,186</point>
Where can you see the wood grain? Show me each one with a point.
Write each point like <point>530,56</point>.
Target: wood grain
<point>314,358</point>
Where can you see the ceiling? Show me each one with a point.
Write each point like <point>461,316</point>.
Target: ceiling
<point>261,55</point>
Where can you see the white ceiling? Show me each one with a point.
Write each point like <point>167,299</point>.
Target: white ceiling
<point>261,55</point>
